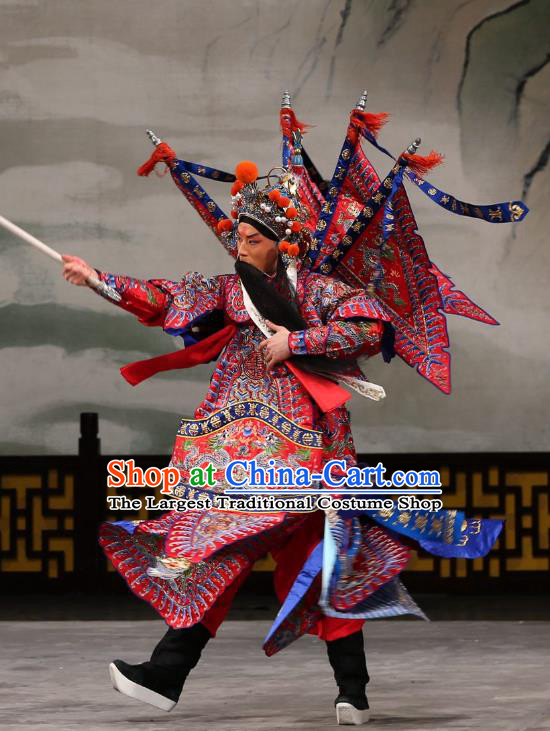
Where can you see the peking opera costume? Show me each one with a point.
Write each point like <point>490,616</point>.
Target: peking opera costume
<point>353,280</point>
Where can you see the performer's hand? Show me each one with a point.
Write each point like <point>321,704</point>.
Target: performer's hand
<point>76,270</point>
<point>276,348</point>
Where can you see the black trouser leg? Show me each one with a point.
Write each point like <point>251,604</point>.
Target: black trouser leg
<point>178,652</point>
<point>347,658</point>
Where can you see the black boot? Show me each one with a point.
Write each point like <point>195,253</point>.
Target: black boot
<point>347,658</point>
<point>159,681</point>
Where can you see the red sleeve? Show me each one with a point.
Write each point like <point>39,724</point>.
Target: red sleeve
<point>344,322</point>
<point>338,339</point>
<point>139,296</point>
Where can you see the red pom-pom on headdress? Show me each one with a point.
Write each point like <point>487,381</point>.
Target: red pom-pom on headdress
<point>295,227</point>
<point>274,195</point>
<point>293,250</point>
<point>284,246</point>
<point>283,201</point>
<point>225,224</point>
<point>236,187</point>
<point>291,212</point>
<point>422,164</point>
<point>234,213</point>
<point>246,172</point>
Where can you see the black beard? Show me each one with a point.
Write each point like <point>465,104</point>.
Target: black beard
<point>281,310</point>
<point>270,303</point>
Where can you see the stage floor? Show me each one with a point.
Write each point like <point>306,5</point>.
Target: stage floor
<point>425,676</point>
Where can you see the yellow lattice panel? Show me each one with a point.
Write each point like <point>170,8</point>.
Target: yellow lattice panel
<point>457,498</point>
<point>41,509</point>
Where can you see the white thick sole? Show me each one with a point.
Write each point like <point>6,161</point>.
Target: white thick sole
<point>139,692</point>
<point>348,715</point>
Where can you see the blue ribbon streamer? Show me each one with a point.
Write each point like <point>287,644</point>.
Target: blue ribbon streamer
<point>207,172</point>
<point>197,191</point>
<point>389,218</point>
<point>331,198</point>
<point>507,212</point>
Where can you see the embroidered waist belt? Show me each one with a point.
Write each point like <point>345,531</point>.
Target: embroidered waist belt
<point>327,394</point>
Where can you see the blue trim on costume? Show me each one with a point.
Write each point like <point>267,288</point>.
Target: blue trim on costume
<point>128,525</point>
<point>445,533</point>
<point>193,428</point>
<point>186,332</point>
<point>330,553</point>
<point>299,588</point>
<point>439,526</point>
<point>476,541</point>
<point>285,155</point>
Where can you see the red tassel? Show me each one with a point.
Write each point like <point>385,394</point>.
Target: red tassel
<point>161,153</point>
<point>422,164</point>
<point>290,123</point>
<point>372,123</point>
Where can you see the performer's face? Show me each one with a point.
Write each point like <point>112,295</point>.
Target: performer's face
<point>257,249</point>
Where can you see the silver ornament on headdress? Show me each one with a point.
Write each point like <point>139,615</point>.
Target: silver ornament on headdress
<point>413,147</point>
<point>362,103</point>
<point>152,136</point>
<point>285,103</point>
